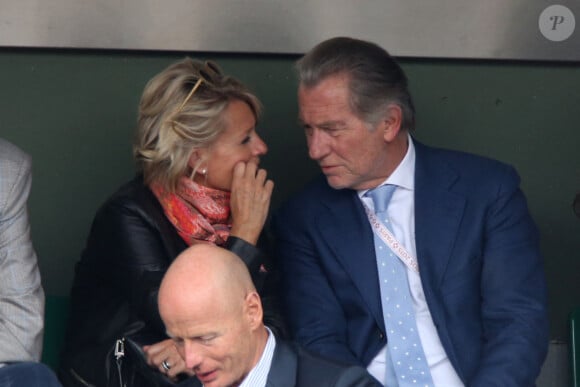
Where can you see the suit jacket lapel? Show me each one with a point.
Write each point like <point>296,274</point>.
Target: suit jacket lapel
<point>345,227</point>
<point>438,213</point>
<point>284,367</point>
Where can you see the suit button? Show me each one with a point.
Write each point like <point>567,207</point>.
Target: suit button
<point>381,335</point>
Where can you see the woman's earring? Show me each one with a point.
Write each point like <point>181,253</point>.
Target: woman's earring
<point>203,171</point>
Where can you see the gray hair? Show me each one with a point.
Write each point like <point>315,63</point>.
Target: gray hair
<point>181,110</point>
<point>375,78</point>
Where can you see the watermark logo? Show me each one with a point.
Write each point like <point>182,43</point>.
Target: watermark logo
<point>557,23</point>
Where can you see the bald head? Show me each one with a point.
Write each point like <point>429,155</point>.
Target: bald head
<point>204,272</point>
<point>212,311</point>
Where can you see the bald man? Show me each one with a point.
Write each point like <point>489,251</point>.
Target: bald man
<point>214,314</point>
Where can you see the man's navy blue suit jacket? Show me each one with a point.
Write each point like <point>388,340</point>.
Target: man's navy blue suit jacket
<point>479,260</point>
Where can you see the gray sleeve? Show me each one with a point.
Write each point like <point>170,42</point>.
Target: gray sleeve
<point>21,293</point>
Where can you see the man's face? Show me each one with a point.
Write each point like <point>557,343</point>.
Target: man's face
<point>216,343</point>
<point>349,154</point>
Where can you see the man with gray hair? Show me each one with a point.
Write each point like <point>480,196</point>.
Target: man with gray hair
<point>420,264</point>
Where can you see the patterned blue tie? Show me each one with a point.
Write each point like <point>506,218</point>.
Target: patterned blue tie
<point>404,344</point>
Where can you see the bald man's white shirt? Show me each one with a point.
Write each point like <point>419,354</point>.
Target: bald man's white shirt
<point>258,376</point>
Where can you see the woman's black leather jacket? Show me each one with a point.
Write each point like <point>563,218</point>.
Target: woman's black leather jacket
<point>114,294</point>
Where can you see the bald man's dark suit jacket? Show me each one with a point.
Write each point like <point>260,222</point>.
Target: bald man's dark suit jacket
<point>479,260</point>
<point>292,366</point>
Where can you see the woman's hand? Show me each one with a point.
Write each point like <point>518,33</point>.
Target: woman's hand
<point>166,351</point>
<point>250,201</point>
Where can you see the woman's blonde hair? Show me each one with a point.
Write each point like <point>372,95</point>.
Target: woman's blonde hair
<point>181,110</point>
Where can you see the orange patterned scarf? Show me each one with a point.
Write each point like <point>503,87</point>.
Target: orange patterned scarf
<point>198,213</point>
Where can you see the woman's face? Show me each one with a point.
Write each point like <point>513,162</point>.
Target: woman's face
<point>238,142</point>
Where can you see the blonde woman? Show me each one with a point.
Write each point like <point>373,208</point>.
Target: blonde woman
<point>199,181</point>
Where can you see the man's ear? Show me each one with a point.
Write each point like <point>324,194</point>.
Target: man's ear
<point>253,310</point>
<point>391,123</point>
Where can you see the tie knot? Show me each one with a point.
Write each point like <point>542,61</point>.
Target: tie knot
<point>381,196</point>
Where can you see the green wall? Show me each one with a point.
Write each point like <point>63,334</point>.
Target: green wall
<point>74,112</point>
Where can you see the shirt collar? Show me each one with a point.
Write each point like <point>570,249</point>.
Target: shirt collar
<point>258,376</point>
<point>404,175</point>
